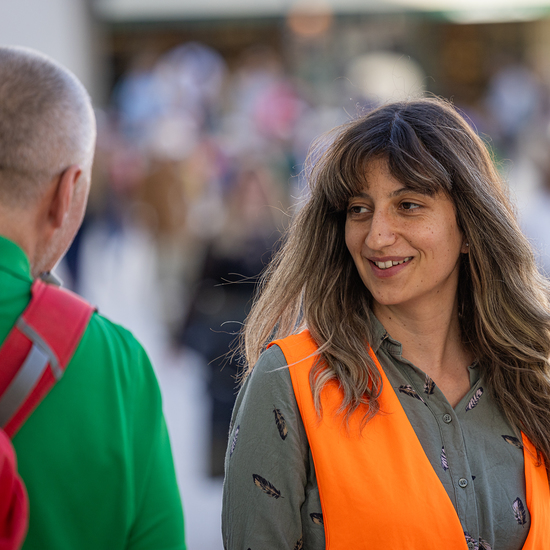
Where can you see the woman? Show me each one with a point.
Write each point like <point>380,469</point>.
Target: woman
<point>405,402</point>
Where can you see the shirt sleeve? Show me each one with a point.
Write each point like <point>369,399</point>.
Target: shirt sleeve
<point>267,462</point>
<point>158,515</point>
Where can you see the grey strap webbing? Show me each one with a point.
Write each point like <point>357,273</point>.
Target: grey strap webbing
<point>26,378</point>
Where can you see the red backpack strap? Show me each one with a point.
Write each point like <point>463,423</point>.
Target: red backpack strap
<point>14,503</point>
<point>38,349</point>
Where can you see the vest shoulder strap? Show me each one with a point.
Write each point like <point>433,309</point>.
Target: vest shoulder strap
<point>38,349</point>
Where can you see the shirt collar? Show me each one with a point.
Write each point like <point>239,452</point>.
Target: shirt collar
<point>13,260</point>
<point>380,335</point>
<point>51,278</point>
<point>395,348</point>
<point>474,372</point>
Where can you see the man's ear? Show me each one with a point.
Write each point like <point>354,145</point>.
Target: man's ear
<point>62,197</point>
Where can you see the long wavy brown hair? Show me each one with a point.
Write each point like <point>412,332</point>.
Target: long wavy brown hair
<point>503,301</point>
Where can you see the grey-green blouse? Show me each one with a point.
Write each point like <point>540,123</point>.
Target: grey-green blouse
<point>271,499</point>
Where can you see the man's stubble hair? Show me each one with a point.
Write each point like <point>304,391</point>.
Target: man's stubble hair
<point>46,124</point>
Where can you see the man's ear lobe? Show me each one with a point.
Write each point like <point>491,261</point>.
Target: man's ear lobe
<point>63,195</point>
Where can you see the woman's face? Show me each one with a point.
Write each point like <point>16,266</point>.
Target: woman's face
<point>406,245</point>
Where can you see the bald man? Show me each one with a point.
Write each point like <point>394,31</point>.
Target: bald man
<point>95,455</point>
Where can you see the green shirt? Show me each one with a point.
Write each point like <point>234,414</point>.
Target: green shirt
<point>472,448</point>
<point>95,455</point>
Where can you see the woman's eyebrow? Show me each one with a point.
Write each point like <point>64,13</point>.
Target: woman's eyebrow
<point>401,191</point>
<point>393,194</point>
<point>404,190</point>
<point>361,195</point>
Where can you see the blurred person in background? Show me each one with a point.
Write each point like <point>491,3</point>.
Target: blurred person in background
<point>514,103</point>
<point>94,455</point>
<point>535,214</point>
<point>234,259</point>
<point>397,384</point>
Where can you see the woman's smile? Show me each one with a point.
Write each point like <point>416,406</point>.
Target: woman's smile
<point>384,263</point>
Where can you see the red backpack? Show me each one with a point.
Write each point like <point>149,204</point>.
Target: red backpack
<point>33,358</point>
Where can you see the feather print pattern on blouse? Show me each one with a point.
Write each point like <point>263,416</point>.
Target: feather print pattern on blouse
<point>471,540</point>
<point>408,390</point>
<point>444,463</point>
<point>281,423</point>
<point>429,386</point>
<point>234,441</point>
<point>317,518</point>
<point>513,441</point>
<point>484,545</point>
<point>266,487</point>
<point>299,544</point>
<point>519,512</point>
<point>475,399</point>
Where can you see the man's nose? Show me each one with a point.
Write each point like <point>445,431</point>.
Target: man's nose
<point>382,231</point>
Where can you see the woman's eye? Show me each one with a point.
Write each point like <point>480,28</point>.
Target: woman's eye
<point>357,210</point>
<point>409,206</point>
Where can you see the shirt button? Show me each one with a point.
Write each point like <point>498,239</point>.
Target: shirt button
<point>447,418</point>
<point>471,545</point>
<point>463,482</point>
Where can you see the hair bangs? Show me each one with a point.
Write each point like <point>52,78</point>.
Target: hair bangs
<point>348,169</point>
<point>352,179</point>
<point>412,147</point>
<point>413,161</point>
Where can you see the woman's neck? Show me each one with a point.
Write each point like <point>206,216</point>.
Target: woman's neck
<point>431,340</point>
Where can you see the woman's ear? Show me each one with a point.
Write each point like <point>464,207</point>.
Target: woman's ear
<point>62,196</point>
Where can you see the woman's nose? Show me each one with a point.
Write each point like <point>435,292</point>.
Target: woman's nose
<point>382,231</point>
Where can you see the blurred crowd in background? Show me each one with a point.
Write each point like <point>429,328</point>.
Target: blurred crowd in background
<point>203,155</point>
<point>206,160</point>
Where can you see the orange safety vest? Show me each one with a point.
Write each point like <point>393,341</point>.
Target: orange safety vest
<point>378,489</point>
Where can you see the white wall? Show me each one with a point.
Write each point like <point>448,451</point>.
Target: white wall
<point>62,29</point>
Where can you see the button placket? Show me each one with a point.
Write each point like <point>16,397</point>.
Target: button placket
<point>454,464</point>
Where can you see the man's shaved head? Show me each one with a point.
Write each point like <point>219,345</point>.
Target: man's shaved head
<point>46,124</point>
